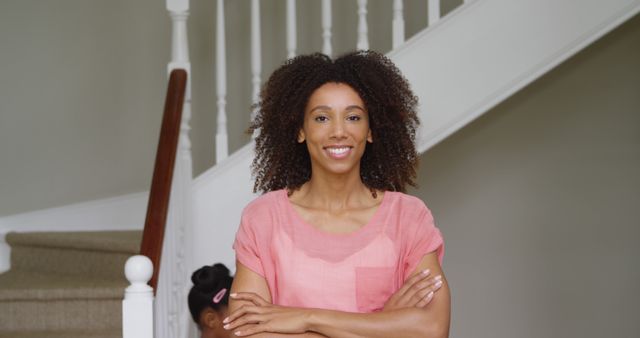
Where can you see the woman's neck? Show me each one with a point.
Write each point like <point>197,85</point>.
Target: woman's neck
<point>334,192</point>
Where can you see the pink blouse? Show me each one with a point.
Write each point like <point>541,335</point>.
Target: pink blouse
<point>355,272</point>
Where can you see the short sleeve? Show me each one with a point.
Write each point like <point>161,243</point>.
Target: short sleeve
<point>424,238</point>
<point>246,246</point>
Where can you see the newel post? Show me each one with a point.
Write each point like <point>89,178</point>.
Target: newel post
<point>137,306</point>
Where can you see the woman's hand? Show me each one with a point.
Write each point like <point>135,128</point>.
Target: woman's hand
<point>417,291</point>
<point>262,316</point>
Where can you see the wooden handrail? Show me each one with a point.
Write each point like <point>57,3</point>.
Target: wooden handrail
<point>160,192</point>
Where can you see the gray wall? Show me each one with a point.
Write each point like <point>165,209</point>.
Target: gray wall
<point>82,85</point>
<point>81,88</point>
<point>538,201</point>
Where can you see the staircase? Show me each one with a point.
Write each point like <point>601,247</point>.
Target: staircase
<point>65,284</point>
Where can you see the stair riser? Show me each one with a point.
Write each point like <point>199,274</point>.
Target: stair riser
<point>76,262</point>
<point>61,315</point>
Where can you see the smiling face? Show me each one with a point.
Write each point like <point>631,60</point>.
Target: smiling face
<point>336,129</point>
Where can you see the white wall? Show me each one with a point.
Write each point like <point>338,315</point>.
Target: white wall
<point>538,203</point>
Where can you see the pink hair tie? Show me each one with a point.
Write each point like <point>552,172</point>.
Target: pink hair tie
<point>218,297</point>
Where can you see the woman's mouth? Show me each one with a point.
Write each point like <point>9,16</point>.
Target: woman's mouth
<point>338,152</point>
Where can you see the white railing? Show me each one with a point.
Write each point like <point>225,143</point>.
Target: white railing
<point>170,313</point>
<point>326,27</point>
<point>398,24</point>
<point>170,304</point>
<point>222,138</point>
<point>363,29</point>
<point>291,36</point>
<point>434,11</point>
<point>291,29</point>
<point>256,50</point>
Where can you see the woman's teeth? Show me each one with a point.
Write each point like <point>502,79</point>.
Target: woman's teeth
<point>338,151</point>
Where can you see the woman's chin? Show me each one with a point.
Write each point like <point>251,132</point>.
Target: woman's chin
<point>341,169</point>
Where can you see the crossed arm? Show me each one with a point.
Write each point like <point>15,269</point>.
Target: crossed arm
<point>413,311</point>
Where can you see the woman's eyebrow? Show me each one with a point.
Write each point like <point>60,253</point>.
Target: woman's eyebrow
<point>355,106</point>
<point>348,108</point>
<point>320,108</point>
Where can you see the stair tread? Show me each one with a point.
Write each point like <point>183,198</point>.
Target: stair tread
<point>108,241</point>
<point>62,334</point>
<point>27,285</point>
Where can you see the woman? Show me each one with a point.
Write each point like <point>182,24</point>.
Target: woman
<point>209,298</point>
<point>333,248</point>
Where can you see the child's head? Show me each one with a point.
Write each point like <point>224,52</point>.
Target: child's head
<point>209,298</point>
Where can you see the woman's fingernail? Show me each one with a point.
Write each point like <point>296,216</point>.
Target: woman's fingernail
<point>226,320</point>
<point>233,295</point>
<point>426,272</point>
<point>238,333</point>
<point>438,277</point>
<point>438,284</point>
<point>226,327</point>
<point>429,295</point>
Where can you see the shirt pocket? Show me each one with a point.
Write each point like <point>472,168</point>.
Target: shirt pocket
<point>374,286</point>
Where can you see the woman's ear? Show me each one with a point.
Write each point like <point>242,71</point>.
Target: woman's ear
<point>369,137</point>
<point>301,136</point>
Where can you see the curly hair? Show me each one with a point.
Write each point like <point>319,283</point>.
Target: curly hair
<point>388,164</point>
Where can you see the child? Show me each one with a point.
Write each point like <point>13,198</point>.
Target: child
<point>209,298</point>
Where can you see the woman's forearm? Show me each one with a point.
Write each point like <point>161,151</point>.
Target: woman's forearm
<point>431,321</point>
<point>255,316</point>
<point>409,322</point>
<point>286,335</point>
<point>315,323</point>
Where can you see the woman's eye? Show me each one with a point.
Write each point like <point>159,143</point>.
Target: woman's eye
<point>321,118</point>
<point>354,118</point>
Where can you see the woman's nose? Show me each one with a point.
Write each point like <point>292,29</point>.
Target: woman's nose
<point>338,129</point>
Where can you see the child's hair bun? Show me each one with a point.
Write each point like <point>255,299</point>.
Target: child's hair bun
<point>208,278</point>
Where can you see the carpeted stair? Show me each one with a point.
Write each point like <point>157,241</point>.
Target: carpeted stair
<point>65,284</point>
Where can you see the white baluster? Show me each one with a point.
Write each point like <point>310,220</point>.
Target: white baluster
<point>256,55</point>
<point>170,295</point>
<point>291,28</point>
<point>172,284</point>
<point>434,11</point>
<point>398,24</point>
<point>222,148</point>
<point>137,306</point>
<point>363,30</point>
<point>326,27</point>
